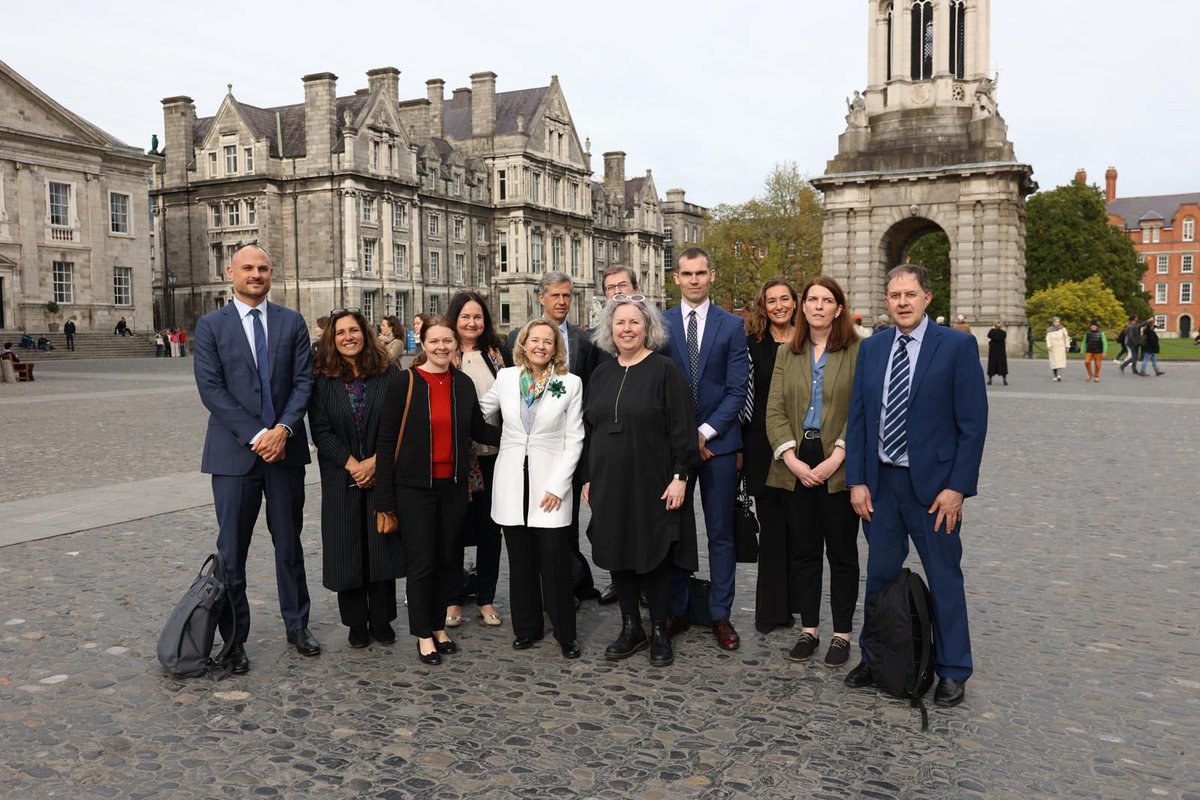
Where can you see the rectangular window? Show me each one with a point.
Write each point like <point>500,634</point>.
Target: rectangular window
<point>435,305</point>
<point>368,305</point>
<point>1163,262</point>
<point>434,224</point>
<point>118,212</point>
<point>556,252</point>
<point>555,197</point>
<point>458,228</point>
<point>60,204</point>
<point>233,213</point>
<point>573,197</point>
<point>1185,292</point>
<point>435,265</point>
<point>399,256</point>
<point>481,272</point>
<point>502,184</point>
<point>536,251</point>
<point>368,210</point>
<point>460,269</point>
<point>218,257</point>
<point>64,282</point>
<point>1156,233</point>
<point>216,215</point>
<point>1160,321</point>
<point>230,249</point>
<point>123,286</point>
<point>535,188</point>
<point>1186,263</point>
<point>391,165</point>
<point>399,215</point>
<point>251,213</point>
<point>248,159</point>
<point>1189,229</point>
<point>576,255</point>
<point>502,251</point>
<point>375,155</point>
<point>481,232</point>
<point>231,159</point>
<point>212,165</point>
<point>368,255</point>
<point>1160,293</point>
<point>505,314</point>
<point>457,186</point>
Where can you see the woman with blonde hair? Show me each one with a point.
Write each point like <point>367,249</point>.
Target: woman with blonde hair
<point>541,405</point>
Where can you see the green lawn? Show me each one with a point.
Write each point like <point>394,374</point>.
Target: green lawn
<point>1171,350</point>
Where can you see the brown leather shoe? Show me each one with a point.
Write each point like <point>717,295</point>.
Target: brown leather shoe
<point>677,625</point>
<point>727,637</point>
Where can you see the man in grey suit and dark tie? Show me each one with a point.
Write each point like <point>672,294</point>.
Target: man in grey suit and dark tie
<point>253,369</point>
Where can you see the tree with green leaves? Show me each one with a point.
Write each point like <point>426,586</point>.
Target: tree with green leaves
<point>1068,238</point>
<point>932,251</point>
<point>776,233</point>
<point>1077,303</point>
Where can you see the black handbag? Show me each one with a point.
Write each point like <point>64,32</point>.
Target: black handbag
<point>745,526</point>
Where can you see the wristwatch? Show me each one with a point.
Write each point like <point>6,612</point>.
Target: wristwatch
<point>681,476</point>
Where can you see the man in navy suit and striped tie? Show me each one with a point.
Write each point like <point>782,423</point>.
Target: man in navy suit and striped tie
<point>914,442</point>
<point>253,369</point>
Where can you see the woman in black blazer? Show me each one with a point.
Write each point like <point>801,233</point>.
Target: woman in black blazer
<point>428,477</point>
<point>351,374</point>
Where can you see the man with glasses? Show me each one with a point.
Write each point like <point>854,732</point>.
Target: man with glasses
<point>253,369</point>
<point>709,346</point>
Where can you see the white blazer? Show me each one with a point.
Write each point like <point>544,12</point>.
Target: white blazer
<point>553,447</point>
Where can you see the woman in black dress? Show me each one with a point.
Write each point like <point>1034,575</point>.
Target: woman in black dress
<point>352,371</point>
<point>641,443</point>
<point>997,354</point>
<point>772,322</point>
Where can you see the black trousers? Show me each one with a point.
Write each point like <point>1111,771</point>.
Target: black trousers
<point>585,586</point>
<point>777,595</point>
<point>824,520</point>
<point>487,543</point>
<point>540,575</point>
<point>656,583</point>
<point>430,529</point>
<point>373,604</point>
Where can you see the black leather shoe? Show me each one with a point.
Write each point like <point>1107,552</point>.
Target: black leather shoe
<point>428,658</point>
<point>677,625</point>
<point>569,649</point>
<point>609,595</point>
<point>860,676</point>
<point>949,692</point>
<point>446,648</point>
<point>384,634</point>
<point>525,642</point>
<point>360,637</point>
<point>304,642</point>
<point>239,662</point>
<point>632,639</point>
<point>662,654</point>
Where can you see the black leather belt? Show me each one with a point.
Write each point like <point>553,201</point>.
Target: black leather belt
<point>812,433</point>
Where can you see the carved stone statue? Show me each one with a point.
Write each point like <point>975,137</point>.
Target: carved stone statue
<point>985,98</point>
<point>857,111</point>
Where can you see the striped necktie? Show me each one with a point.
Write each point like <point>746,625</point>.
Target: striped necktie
<point>264,368</point>
<point>693,346</point>
<point>895,420</point>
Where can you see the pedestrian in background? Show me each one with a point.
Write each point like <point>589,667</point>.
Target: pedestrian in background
<point>997,353</point>
<point>1150,349</point>
<point>160,346</point>
<point>1095,345</point>
<point>1133,340</point>
<point>960,324</point>
<point>1057,342</point>
<point>69,331</point>
<point>389,337</point>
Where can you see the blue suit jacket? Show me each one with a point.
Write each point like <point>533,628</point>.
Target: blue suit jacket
<point>232,392</point>
<point>724,366</point>
<point>947,413</point>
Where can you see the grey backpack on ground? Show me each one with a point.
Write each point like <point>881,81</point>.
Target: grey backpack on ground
<point>186,643</point>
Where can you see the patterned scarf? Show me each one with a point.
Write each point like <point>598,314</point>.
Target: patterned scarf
<point>532,388</point>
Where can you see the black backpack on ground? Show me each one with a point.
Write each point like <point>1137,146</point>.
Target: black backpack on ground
<point>899,640</point>
<point>186,643</point>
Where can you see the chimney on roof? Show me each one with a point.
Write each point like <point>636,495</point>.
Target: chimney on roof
<point>675,196</point>
<point>385,81</point>
<point>435,90</point>
<point>1110,184</point>
<point>483,108</point>
<point>320,118</point>
<point>1081,176</point>
<point>179,122</point>
<point>614,174</point>
<point>461,97</point>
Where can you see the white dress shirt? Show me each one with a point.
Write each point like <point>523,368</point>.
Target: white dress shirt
<point>914,350</point>
<point>706,430</point>
<point>248,327</point>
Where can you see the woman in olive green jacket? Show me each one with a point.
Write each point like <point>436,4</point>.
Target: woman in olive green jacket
<point>807,411</point>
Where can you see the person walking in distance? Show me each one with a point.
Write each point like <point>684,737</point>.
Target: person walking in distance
<point>1095,345</point>
<point>253,368</point>
<point>1133,341</point>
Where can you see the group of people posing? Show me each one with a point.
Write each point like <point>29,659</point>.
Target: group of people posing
<point>482,442</point>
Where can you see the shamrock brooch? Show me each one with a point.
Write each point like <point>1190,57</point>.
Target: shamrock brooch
<point>556,388</point>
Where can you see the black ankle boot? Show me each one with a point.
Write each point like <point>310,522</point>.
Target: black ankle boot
<point>631,640</point>
<point>662,654</point>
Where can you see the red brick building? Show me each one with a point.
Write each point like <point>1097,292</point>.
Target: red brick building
<point>1163,231</point>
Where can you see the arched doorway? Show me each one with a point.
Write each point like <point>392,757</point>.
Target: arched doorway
<point>918,240</point>
<point>1185,326</point>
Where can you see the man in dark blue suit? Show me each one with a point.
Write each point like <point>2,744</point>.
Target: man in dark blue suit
<point>253,368</point>
<point>709,346</point>
<point>914,442</point>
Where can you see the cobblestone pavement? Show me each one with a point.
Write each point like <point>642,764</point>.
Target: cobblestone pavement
<point>1082,579</point>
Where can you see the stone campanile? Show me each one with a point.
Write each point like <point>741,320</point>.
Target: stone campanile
<point>925,149</point>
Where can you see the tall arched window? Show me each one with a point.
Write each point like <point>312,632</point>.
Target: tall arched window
<point>958,39</point>
<point>889,41</point>
<point>922,40</point>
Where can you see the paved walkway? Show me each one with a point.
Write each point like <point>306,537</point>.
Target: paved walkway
<point>1082,583</point>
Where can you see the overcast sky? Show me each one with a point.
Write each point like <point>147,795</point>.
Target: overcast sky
<point>710,95</point>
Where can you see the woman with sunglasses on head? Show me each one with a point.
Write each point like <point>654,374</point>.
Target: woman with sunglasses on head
<point>431,414</point>
<point>351,375</point>
<point>641,444</point>
<point>541,405</point>
<point>772,323</point>
<point>480,358</point>
<point>807,410</point>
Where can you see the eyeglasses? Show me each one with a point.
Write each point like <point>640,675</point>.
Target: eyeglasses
<point>623,286</point>
<point>337,312</point>
<point>628,298</point>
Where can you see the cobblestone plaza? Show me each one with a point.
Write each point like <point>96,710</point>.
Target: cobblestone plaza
<point>1081,568</point>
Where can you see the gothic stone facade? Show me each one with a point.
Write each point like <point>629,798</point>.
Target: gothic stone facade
<point>387,204</point>
<point>926,149</point>
<point>74,221</point>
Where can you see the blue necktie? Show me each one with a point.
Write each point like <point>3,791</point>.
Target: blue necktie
<point>895,420</point>
<point>264,368</point>
<point>693,346</point>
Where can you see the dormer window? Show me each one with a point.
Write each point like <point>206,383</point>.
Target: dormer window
<point>231,159</point>
<point>248,159</point>
<point>212,165</point>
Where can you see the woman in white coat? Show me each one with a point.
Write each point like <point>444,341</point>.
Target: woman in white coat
<point>541,404</point>
<point>1057,342</point>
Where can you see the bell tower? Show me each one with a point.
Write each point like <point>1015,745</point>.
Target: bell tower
<point>925,149</point>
